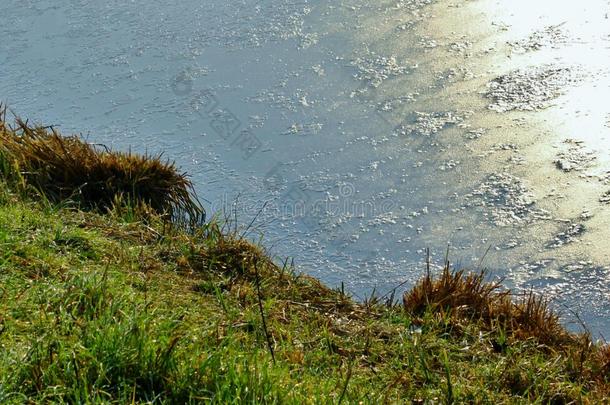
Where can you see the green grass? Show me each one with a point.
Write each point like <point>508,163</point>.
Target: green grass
<point>114,306</point>
<point>94,309</point>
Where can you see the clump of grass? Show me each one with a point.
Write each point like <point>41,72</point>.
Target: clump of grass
<point>602,361</point>
<point>229,254</point>
<point>68,168</point>
<point>470,297</point>
<point>467,294</point>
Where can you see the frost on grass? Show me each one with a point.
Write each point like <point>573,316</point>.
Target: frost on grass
<point>575,158</point>
<point>528,90</point>
<point>428,124</point>
<point>507,200</point>
<point>550,36</point>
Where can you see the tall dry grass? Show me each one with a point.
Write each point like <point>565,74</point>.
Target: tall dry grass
<point>469,296</point>
<point>68,168</point>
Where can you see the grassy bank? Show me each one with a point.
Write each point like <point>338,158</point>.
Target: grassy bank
<point>118,302</point>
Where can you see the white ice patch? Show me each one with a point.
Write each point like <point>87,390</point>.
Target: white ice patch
<point>507,200</point>
<point>391,104</point>
<point>550,36</point>
<point>528,90</point>
<point>568,235</point>
<point>575,158</point>
<point>374,69</point>
<point>428,124</point>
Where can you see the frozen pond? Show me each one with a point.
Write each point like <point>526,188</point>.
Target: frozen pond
<point>355,133</point>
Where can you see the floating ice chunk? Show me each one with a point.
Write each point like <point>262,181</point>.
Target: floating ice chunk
<point>428,124</point>
<point>550,36</point>
<point>575,158</point>
<point>568,235</point>
<point>528,90</point>
<point>374,69</point>
<point>507,200</point>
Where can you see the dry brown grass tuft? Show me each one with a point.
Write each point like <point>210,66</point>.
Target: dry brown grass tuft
<point>469,296</point>
<point>602,363</point>
<point>68,168</point>
<point>530,316</point>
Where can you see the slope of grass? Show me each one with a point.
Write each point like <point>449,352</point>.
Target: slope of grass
<point>105,306</point>
<point>98,309</point>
